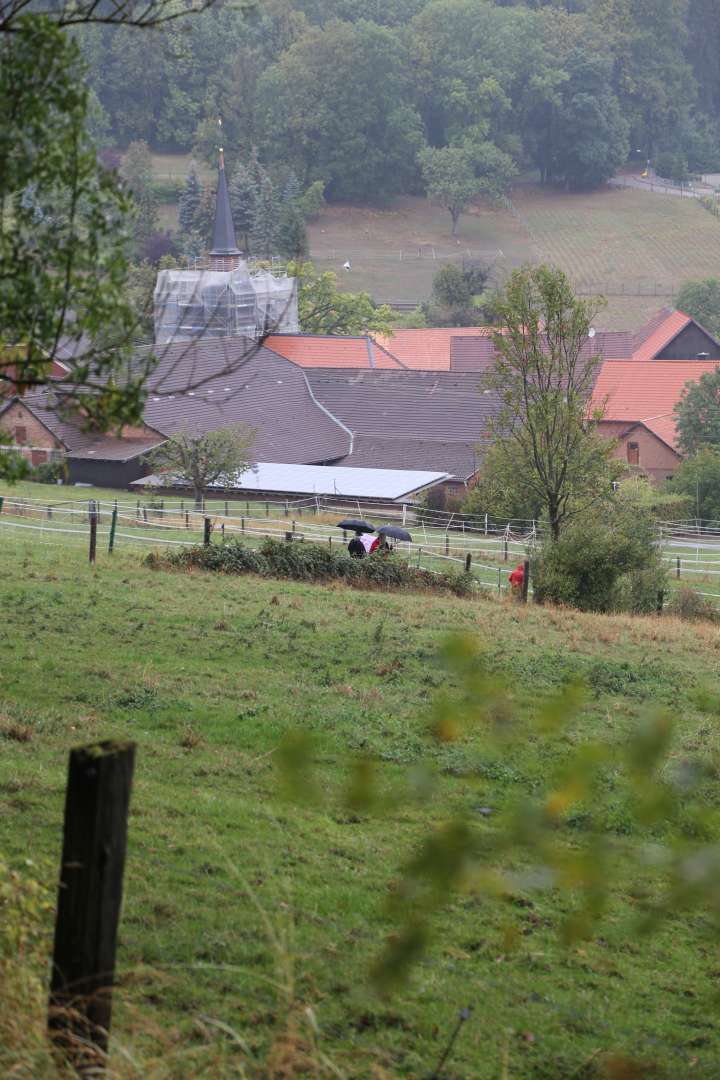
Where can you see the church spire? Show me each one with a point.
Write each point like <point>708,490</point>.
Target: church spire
<point>224,252</point>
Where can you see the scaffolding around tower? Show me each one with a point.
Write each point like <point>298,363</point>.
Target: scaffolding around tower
<point>240,302</point>
<point>224,297</point>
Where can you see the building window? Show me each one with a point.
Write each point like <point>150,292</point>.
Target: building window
<point>20,435</point>
<point>633,453</point>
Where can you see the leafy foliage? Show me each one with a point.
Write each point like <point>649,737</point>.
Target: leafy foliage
<point>204,460</point>
<point>697,414</point>
<point>315,562</point>
<point>602,562</point>
<point>701,300</point>
<point>545,379</point>
<point>63,264</point>
<point>323,309</point>
<point>698,480</point>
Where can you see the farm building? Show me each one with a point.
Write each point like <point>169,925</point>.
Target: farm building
<point>349,402</point>
<point>270,480</point>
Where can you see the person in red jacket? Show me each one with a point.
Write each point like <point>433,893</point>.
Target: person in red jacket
<point>516,579</point>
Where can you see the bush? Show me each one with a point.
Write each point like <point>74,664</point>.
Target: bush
<point>49,472</point>
<point>691,606</point>
<point>602,563</point>
<point>313,562</point>
<point>167,190</point>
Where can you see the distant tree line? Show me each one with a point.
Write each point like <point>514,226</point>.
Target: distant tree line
<point>384,98</point>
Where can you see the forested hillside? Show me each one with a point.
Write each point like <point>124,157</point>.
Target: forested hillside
<point>351,94</point>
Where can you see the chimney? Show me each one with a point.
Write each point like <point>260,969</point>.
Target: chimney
<point>224,254</point>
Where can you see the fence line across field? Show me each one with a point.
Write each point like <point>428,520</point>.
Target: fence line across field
<point>417,551</point>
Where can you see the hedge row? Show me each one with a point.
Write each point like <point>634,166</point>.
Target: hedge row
<point>313,562</point>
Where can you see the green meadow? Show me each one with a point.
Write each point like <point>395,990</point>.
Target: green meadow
<point>251,920</point>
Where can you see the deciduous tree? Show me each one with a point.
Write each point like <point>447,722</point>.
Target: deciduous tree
<point>544,373</point>
<point>701,299</point>
<point>698,413</point>
<point>201,461</point>
<point>323,309</point>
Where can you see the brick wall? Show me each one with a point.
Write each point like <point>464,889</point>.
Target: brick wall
<point>652,457</point>
<point>36,435</point>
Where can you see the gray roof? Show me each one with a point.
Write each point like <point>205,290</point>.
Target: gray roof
<point>202,385</point>
<point>423,419</point>
<point>478,353</point>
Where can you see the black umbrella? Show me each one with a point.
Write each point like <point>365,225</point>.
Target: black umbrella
<point>395,532</point>
<point>356,525</point>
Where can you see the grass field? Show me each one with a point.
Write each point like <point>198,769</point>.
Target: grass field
<point>635,247</point>
<point>244,910</point>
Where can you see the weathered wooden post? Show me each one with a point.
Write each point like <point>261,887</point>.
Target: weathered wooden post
<point>660,601</point>
<point>92,513</point>
<point>227,511</point>
<point>207,530</point>
<point>187,519</point>
<point>89,899</point>
<point>468,562</point>
<point>677,568</point>
<point>49,513</point>
<point>505,550</point>
<point>447,544</point>
<point>525,581</point>
<point>111,537</point>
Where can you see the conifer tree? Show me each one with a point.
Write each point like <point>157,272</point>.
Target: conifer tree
<point>292,240</point>
<point>243,194</point>
<point>265,220</point>
<point>292,189</point>
<point>189,203</point>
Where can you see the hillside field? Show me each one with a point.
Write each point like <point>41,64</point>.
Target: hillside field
<point>634,247</point>
<point>250,921</point>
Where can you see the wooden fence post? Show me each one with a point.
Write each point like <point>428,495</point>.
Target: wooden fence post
<point>505,550</point>
<point>187,519</point>
<point>89,899</point>
<point>468,562</point>
<point>660,601</point>
<point>677,568</point>
<point>111,537</point>
<point>92,513</point>
<point>447,544</point>
<point>526,580</point>
<point>207,530</point>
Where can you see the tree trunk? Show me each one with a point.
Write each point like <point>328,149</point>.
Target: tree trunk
<point>199,498</point>
<point>455,215</point>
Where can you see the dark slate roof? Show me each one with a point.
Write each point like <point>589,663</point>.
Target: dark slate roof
<point>203,385</point>
<point>402,419</point>
<point>80,443</point>
<point>224,242</point>
<point>461,459</point>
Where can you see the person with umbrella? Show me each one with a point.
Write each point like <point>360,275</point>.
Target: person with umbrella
<point>361,542</point>
<point>386,532</point>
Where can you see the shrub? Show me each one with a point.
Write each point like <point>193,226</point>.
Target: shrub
<point>48,472</point>
<point>602,563</point>
<point>691,606</point>
<point>313,562</point>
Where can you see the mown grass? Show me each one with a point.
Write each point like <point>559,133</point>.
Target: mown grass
<point>246,910</point>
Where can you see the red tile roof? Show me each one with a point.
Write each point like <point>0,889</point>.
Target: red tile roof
<point>428,350</point>
<point>646,391</point>
<point>317,350</point>
<point>659,332</point>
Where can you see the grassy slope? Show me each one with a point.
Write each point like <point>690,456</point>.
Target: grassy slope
<point>239,906</point>
<point>638,245</point>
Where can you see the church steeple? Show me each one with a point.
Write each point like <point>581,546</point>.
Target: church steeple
<point>224,254</point>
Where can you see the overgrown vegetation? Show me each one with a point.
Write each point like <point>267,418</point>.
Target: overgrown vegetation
<point>314,562</point>
<point>602,562</point>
